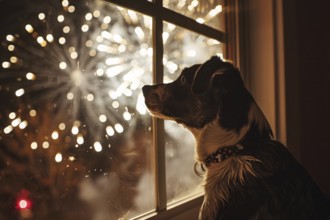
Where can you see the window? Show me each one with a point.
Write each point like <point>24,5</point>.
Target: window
<point>76,141</point>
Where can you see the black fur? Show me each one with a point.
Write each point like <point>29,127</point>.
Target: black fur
<point>264,181</point>
<point>281,189</point>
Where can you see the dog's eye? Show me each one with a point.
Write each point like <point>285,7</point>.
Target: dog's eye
<point>183,80</point>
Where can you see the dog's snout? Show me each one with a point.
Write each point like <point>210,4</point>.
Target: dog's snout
<point>146,89</point>
<point>152,96</point>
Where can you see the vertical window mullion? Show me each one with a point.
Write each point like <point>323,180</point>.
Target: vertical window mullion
<point>158,124</point>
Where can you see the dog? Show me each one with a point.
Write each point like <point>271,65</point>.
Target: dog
<point>248,175</point>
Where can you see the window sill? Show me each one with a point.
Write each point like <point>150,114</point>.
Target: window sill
<point>177,210</point>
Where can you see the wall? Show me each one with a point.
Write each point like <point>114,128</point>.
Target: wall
<point>307,67</point>
<point>288,61</point>
<point>288,43</point>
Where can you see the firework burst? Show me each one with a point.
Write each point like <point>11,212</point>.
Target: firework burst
<point>79,63</point>
<point>70,79</point>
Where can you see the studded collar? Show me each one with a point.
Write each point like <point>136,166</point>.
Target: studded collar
<point>223,153</point>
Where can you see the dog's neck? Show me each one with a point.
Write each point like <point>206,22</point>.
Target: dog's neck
<point>212,136</point>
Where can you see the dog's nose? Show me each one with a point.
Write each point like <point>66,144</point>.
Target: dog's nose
<point>146,89</point>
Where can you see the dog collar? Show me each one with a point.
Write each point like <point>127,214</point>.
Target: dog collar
<point>223,153</point>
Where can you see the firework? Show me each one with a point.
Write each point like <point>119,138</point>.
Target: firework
<point>79,63</point>
<point>71,74</point>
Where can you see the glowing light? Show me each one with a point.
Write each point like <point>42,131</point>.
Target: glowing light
<point>84,28</point>
<point>114,61</point>
<point>139,32</point>
<point>8,129</point>
<point>80,139</point>
<point>72,158</point>
<point>34,145</point>
<point>99,39</point>
<point>70,96</point>
<point>45,144</point>
<point>71,8</point>
<point>132,14</point>
<point>29,28</point>
<point>61,40</point>
<point>90,97</point>
<point>66,29</point>
<point>107,19</point>
<point>117,38</point>
<point>61,126</point>
<point>60,18</point>
<point>65,3</point>
<point>23,204</point>
<point>89,43</point>
<point>200,20</point>
<point>75,130</point>
<point>16,122</point>
<point>127,116</point>
<point>110,131</point>
<point>88,16</point>
<point>103,118</point>
<point>97,146</point>
<point>115,104</point>
<point>11,47</point>
<point>99,72</point>
<point>114,71</point>
<point>218,8</point>
<point>41,16</point>
<point>121,48</point>
<point>19,92</point>
<point>191,53</point>
<point>212,42</point>
<point>58,157</point>
<point>194,3</point>
<point>13,59</point>
<point>165,36</point>
<point>119,128</point>
<point>62,65</point>
<point>96,13</point>
<point>172,67</point>
<point>6,65</point>
<point>55,135</point>
<point>40,39</point>
<point>74,55</point>
<point>10,38</point>
<point>76,77</point>
<point>49,38</point>
<point>92,53</point>
<point>30,76</point>
<point>23,124</point>
<point>33,113</point>
<point>12,115</point>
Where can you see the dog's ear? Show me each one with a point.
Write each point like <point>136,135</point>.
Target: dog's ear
<point>203,76</point>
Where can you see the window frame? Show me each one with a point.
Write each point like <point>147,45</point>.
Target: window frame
<point>242,48</point>
<point>160,14</point>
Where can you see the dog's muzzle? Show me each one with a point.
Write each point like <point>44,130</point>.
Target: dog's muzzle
<point>152,96</point>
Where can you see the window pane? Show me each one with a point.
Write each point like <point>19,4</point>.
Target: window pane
<point>182,48</point>
<point>209,12</point>
<point>75,138</point>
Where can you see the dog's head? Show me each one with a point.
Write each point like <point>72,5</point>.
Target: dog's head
<point>200,94</point>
